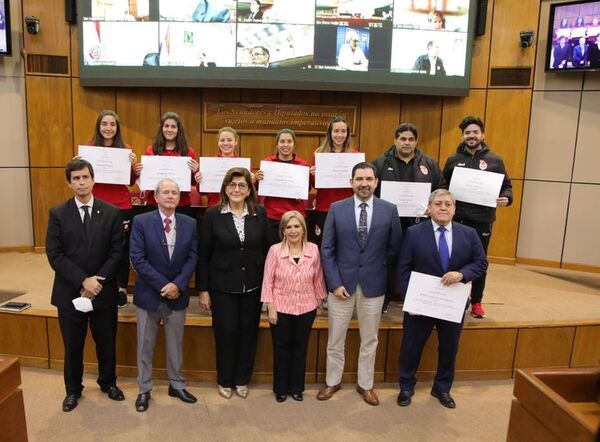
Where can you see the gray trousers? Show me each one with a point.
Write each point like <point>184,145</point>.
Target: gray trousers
<point>147,327</point>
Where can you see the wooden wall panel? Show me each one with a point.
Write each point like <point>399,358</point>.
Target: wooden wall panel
<point>510,18</point>
<point>544,347</point>
<point>586,348</point>
<point>87,104</point>
<point>453,112</point>
<point>221,95</point>
<point>188,104</point>
<point>23,336</point>
<point>260,96</point>
<point>507,127</point>
<point>425,113</point>
<point>53,38</point>
<point>257,147</point>
<point>379,119</point>
<point>48,188</point>
<point>506,227</point>
<point>139,112</point>
<point>481,53</point>
<point>486,350</point>
<point>300,97</point>
<point>50,128</point>
<point>74,50</point>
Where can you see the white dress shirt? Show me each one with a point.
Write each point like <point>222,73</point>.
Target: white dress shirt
<point>170,236</point>
<point>80,205</point>
<point>369,209</point>
<point>447,235</point>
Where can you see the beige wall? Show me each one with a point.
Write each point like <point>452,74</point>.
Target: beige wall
<point>15,198</point>
<point>560,215</point>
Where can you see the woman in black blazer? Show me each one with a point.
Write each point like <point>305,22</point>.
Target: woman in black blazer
<point>234,242</point>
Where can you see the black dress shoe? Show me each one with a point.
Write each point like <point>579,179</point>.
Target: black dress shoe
<point>70,401</point>
<point>183,395</point>
<point>445,399</point>
<point>297,397</point>
<point>280,397</point>
<point>114,393</point>
<point>141,403</point>
<point>404,398</point>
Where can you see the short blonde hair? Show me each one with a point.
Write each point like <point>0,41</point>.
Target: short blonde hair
<point>285,219</point>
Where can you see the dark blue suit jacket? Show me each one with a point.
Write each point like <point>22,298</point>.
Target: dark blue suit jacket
<point>419,253</point>
<point>345,262</point>
<point>150,258</point>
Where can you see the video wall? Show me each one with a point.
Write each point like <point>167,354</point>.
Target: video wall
<point>420,46</point>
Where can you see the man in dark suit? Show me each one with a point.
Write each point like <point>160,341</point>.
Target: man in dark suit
<point>430,63</point>
<point>452,251</point>
<point>561,54</point>
<point>83,243</point>
<point>361,235</point>
<point>163,252</point>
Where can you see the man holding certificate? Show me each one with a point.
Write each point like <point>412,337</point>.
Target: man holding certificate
<point>473,153</point>
<point>452,252</point>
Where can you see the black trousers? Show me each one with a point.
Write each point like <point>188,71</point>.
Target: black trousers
<point>316,222</point>
<point>416,332</point>
<point>123,268</point>
<point>235,323</point>
<point>73,327</point>
<point>484,231</point>
<point>290,342</point>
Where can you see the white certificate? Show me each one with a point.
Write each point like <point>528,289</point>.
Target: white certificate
<point>428,297</point>
<point>476,186</point>
<point>334,170</point>
<point>410,198</point>
<point>214,170</point>
<point>111,165</point>
<point>284,180</point>
<point>158,167</point>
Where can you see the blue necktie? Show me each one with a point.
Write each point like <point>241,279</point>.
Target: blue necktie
<point>362,224</point>
<point>443,250</point>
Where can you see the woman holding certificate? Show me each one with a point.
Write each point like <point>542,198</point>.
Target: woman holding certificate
<point>228,141</point>
<point>293,288</point>
<point>107,133</point>
<point>275,206</point>
<point>233,244</point>
<point>337,140</point>
<point>170,141</point>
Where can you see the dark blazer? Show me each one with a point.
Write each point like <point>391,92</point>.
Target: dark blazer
<point>580,55</point>
<point>149,256</point>
<point>419,253</point>
<point>345,262</point>
<point>73,258</point>
<point>422,64</point>
<point>561,55</point>
<point>225,264</point>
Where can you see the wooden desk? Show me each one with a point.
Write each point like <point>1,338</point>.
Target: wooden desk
<point>555,405</point>
<point>12,409</point>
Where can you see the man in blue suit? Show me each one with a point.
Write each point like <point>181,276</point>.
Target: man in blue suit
<point>361,235</point>
<point>163,252</point>
<point>452,251</point>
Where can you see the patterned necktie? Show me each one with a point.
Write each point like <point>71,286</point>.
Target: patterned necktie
<point>362,224</point>
<point>168,225</point>
<point>86,220</point>
<point>443,249</point>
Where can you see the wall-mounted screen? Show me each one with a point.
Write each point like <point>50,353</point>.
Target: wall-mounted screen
<point>401,46</point>
<point>574,36</point>
<point>5,45</point>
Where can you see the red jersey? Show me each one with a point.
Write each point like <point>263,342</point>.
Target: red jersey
<point>324,198</point>
<point>184,198</point>
<point>116,194</point>
<point>276,207</point>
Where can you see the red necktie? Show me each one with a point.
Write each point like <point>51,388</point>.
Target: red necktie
<point>168,225</point>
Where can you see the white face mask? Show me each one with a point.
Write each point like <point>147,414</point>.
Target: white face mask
<point>83,304</point>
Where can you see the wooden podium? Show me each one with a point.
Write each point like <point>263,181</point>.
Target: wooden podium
<point>555,405</point>
<point>12,410</point>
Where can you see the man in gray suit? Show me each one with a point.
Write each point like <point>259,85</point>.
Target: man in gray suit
<point>361,235</point>
<point>163,252</point>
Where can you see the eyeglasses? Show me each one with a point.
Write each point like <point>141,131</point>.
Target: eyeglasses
<point>241,186</point>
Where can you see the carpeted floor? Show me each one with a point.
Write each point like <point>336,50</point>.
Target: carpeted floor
<point>482,414</point>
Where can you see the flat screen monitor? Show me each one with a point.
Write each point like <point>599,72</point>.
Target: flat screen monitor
<point>5,44</point>
<point>573,37</point>
<point>398,46</point>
